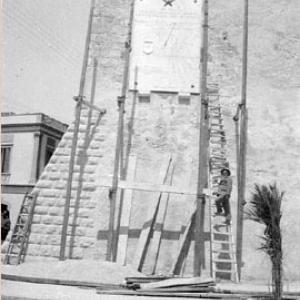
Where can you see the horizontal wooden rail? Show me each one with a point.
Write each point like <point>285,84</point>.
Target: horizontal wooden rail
<point>151,187</point>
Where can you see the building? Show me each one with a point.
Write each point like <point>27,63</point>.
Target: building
<point>162,120</point>
<point>27,143</point>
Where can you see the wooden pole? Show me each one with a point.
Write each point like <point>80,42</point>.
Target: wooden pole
<point>124,165</point>
<point>243,144</point>
<point>203,144</point>
<point>111,251</point>
<point>75,136</point>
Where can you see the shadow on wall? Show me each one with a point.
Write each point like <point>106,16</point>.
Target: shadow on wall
<point>82,160</point>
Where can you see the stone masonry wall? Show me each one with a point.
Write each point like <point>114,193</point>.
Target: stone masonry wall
<point>96,138</point>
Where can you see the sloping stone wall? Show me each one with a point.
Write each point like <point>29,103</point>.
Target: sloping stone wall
<point>96,137</point>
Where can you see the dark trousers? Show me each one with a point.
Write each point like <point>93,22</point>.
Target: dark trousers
<point>222,203</point>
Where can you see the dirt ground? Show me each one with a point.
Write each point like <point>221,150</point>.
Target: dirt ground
<point>93,272</point>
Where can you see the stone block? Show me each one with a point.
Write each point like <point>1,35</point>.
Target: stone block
<point>37,228</point>
<point>86,222</point>
<point>77,252</point>
<point>45,183</point>
<point>85,213</point>
<point>53,229</point>
<point>41,210</point>
<point>56,211</point>
<point>49,250</point>
<point>36,219</point>
<point>35,238</point>
<point>47,219</point>
<point>89,187</point>
<point>33,249</point>
<point>86,242</point>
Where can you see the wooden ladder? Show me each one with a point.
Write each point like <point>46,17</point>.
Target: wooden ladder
<point>222,255</point>
<point>18,241</point>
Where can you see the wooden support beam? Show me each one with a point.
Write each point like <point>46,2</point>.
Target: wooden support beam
<point>75,136</point>
<point>184,245</point>
<point>144,239</point>
<point>152,187</point>
<point>90,105</point>
<point>243,144</point>
<point>159,224</point>
<point>119,143</point>
<point>203,146</point>
<point>125,214</point>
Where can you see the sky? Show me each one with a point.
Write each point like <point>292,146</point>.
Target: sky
<point>43,43</point>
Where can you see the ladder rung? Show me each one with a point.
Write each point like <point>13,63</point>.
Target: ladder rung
<point>218,260</point>
<point>221,233</point>
<point>222,242</point>
<point>224,271</point>
<point>224,251</point>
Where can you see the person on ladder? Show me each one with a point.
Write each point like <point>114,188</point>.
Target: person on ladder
<point>223,195</point>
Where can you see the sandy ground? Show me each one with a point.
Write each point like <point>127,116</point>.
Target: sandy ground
<point>93,272</point>
<point>77,270</point>
<point>25,291</point>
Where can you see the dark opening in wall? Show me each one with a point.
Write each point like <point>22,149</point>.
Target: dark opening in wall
<point>144,98</point>
<point>184,100</point>
<point>5,222</point>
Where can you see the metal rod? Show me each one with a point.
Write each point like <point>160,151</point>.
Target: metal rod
<point>243,143</point>
<point>203,144</point>
<point>119,141</point>
<point>75,137</point>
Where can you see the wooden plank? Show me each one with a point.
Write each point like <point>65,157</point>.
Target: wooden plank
<point>187,281</point>
<point>159,224</point>
<point>184,246</point>
<point>125,215</point>
<point>147,230</point>
<point>151,187</point>
<point>53,281</point>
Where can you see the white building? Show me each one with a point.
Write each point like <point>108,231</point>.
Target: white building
<point>27,143</point>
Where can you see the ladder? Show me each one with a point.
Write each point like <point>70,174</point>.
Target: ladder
<point>222,255</point>
<point>18,241</point>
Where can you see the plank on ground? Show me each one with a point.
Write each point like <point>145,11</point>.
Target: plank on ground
<point>176,282</point>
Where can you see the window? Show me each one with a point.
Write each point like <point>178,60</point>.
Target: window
<point>50,147</point>
<point>5,159</point>
<point>144,98</point>
<point>184,100</point>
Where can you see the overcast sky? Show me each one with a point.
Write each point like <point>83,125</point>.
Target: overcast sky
<point>43,47</point>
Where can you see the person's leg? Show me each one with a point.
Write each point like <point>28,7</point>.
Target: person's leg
<point>218,203</point>
<point>226,206</point>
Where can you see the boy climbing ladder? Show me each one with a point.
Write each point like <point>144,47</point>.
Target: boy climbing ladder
<point>224,191</point>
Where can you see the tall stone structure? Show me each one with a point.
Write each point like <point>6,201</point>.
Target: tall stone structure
<point>166,122</point>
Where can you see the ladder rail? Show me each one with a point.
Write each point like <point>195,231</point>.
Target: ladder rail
<point>217,160</point>
<point>21,229</point>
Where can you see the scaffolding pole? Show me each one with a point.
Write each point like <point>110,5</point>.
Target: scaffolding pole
<point>242,145</point>
<point>118,160</point>
<point>78,109</point>
<point>199,257</point>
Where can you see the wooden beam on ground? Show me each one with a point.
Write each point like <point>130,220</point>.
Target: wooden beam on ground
<point>147,230</point>
<point>125,214</point>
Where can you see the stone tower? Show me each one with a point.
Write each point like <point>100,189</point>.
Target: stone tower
<point>165,51</point>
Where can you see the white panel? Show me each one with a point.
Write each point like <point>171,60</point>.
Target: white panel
<point>166,45</point>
